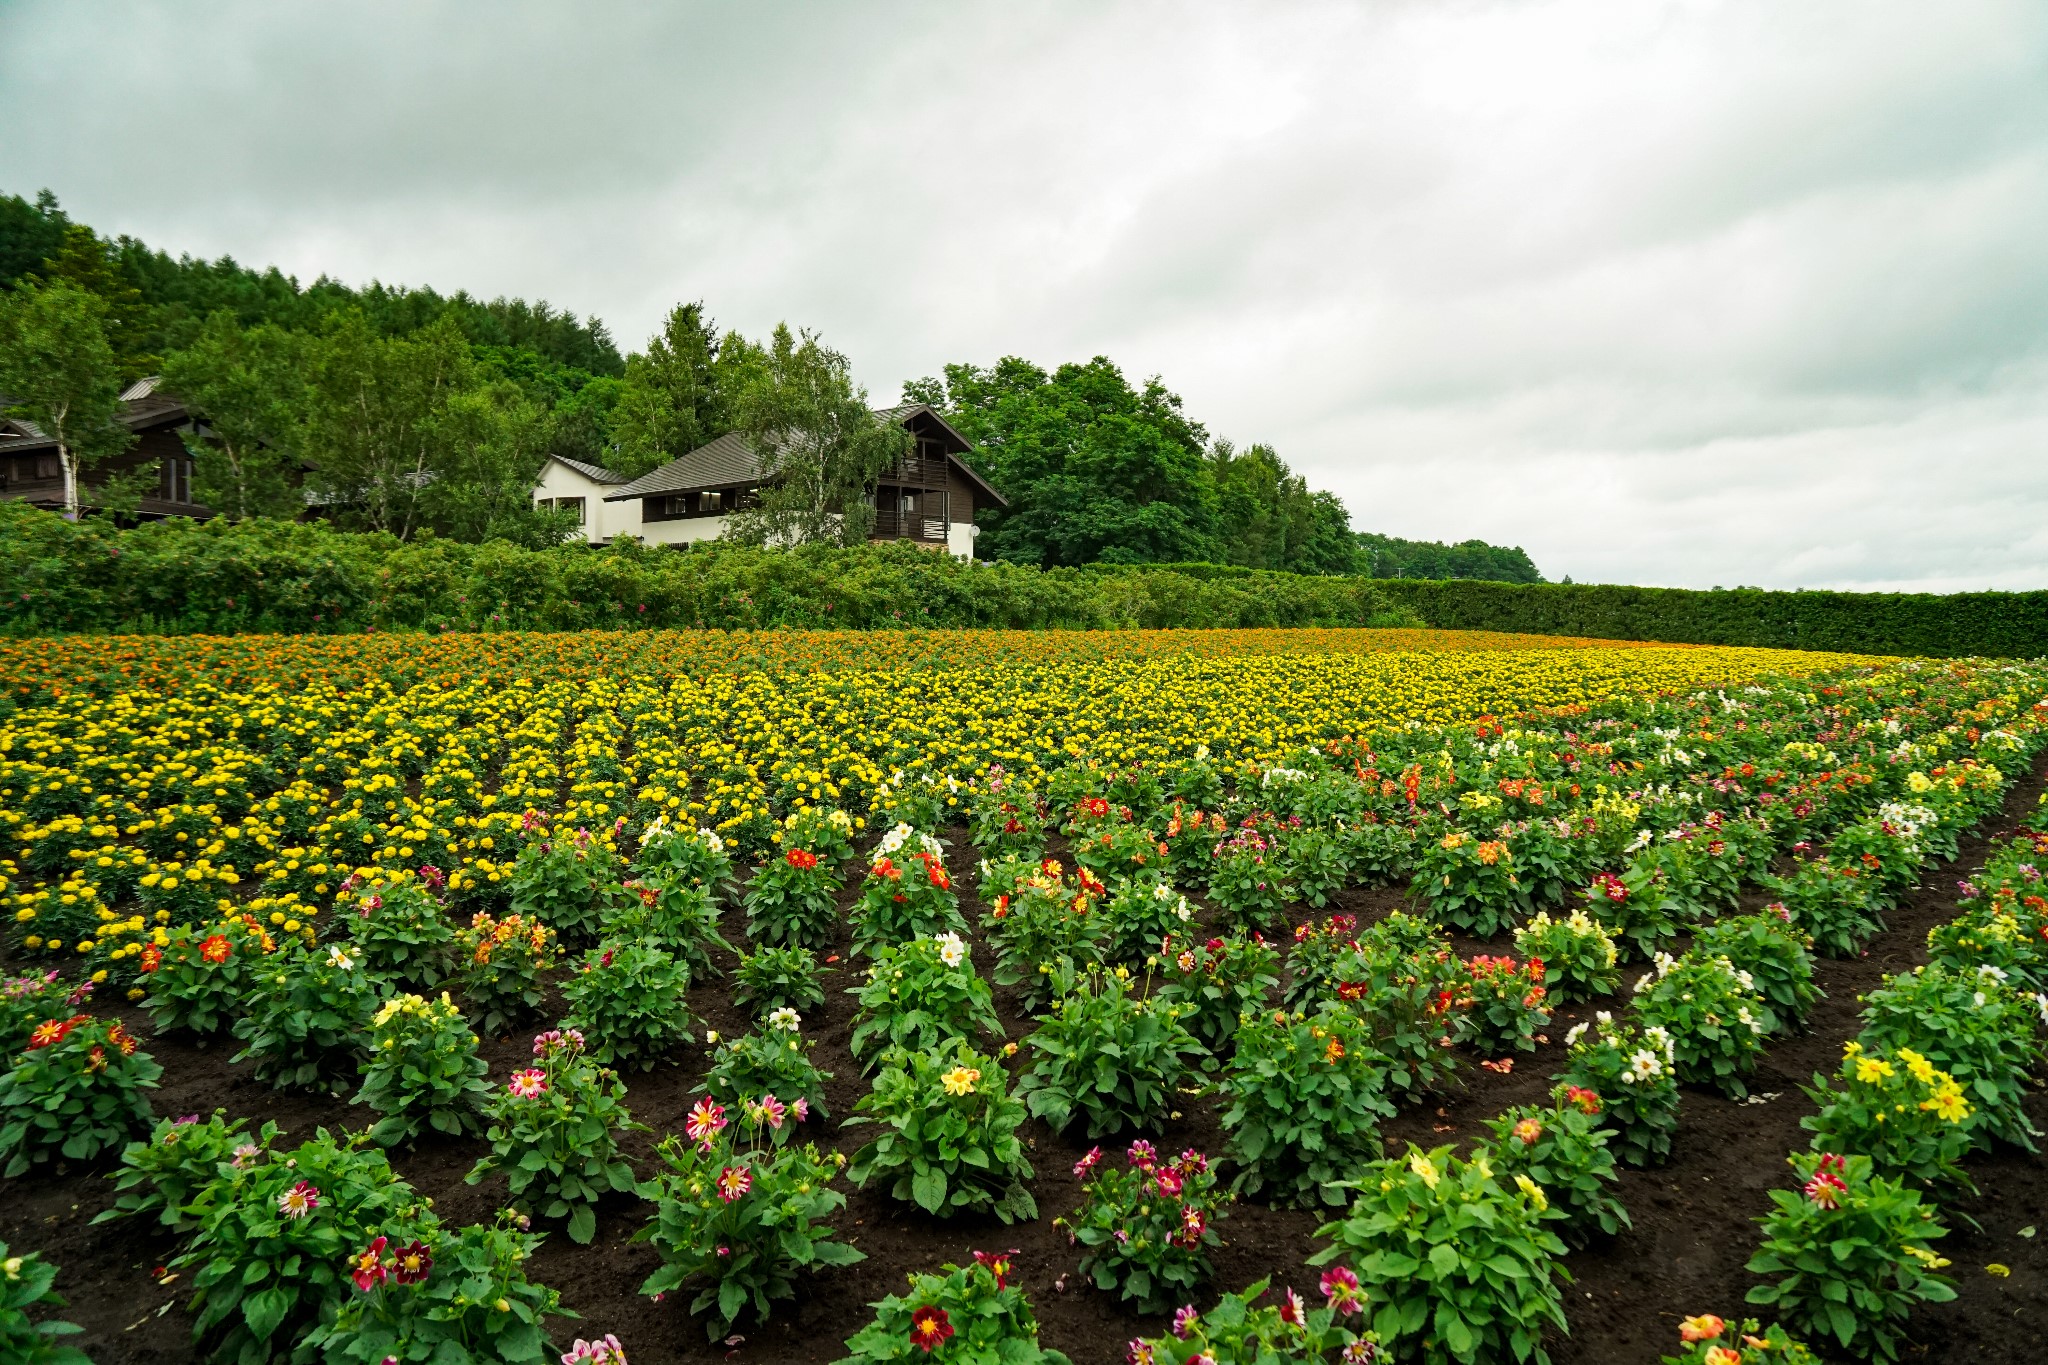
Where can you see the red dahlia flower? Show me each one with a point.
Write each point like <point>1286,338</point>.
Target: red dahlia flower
<point>929,1327</point>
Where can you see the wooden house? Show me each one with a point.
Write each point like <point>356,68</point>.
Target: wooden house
<point>30,471</point>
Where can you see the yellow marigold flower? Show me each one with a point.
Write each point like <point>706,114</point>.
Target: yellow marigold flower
<point>961,1080</point>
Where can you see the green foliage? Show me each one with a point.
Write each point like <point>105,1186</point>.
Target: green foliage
<point>399,930</point>
<point>60,373</point>
<point>1506,1005</point>
<point>971,1313</point>
<point>919,995</point>
<point>1248,882</point>
<point>1760,1345</point>
<point>1563,1148</point>
<point>1775,955</point>
<point>1304,1096</point>
<point>304,1015</point>
<point>791,900</point>
<point>1847,1255</point>
<point>1471,884</point>
<point>628,1000</point>
<point>1214,982</point>
<point>907,894</point>
<point>680,920</point>
<point>773,1061</point>
<point>1242,1330</point>
<point>499,968</point>
<point>25,1282</point>
<point>166,1171</point>
<point>74,1093</point>
<point>678,394</point>
<point>744,1223</point>
<point>1392,557</point>
<point>1453,1266</point>
<point>566,882</point>
<point>1044,922</point>
<point>26,1001</point>
<point>1834,904</point>
<point>1631,1071</point>
<point>422,1068</point>
<point>1315,862</point>
<point>1146,1229</point>
<point>1902,1112</point>
<point>1107,1055</point>
<point>1715,1019</point>
<point>772,978</point>
<point>1637,904</point>
<point>1982,1031</point>
<point>949,1139</point>
<point>555,1132</point>
<point>247,383</point>
<point>1580,961</point>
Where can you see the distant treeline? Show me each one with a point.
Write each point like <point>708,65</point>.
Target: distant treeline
<point>1392,557</point>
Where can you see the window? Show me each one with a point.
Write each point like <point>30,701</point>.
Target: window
<point>572,505</point>
<point>708,503</point>
<point>174,479</point>
<point>46,467</point>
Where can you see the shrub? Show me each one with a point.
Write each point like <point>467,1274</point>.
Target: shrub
<point>1977,1028</point>
<point>792,900</point>
<point>1774,954</point>
<point>1303,1098</point>
<point>1315,863</point>
<point>1044,922</point>
<point>566,883</point>
<point>629,999</point>
<point>773,1061</point>
<point>1636,904</point>
<point>193,979</point>
<point>1452,1266</point>
<point>1833,904</point>
<point>75,1092</point>
<point>1146,1229</point>
<point>1379,854</point>
<point>499,965</point>
<point>1900,1111</point>
<point>1700,1341</point>
<point>1139,916</point>
<point>1848,1254</point>
<point>270,1258</point>
<point>911,898</point>
<point>1471,884</point>
<point>1631,1071</point>
<point>1563,1148</point>
<point>1506,1004</point>
<point>1118,850</point>
<point>824,830</point>
<point>919,995</point>
<point>26,1001</point>
<point>422,1067</point>
<point>744,1222</point>
<point>1413,1006</point>
<point>304,1016</point>
<point>680,920</point>
<point>555,1132</point>
<point>1580,961</point>
<point>443,1296</point>
<point>772,978</point>
<point>1108,1055</point>
<point>1003,818</point>
<point>678,856</point>
<point>972,1313</point>
<point>1712,1014</point>
<point>1246,881</point>
<point>398,930</point>
<point>165,1172</point>
<point>1320,950</point>
<point>1886,848</point>
<point>949,1139</point>
<point>23,1341</point>
<point>1239,1328</point>
<point>1215,982</point>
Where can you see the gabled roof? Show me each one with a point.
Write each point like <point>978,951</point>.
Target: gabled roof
<point>143,405</point>
<point>596,473</point>
<point>731,462</point>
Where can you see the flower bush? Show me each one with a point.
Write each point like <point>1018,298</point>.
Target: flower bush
<point>26,1001</point>
<point>1908,1117</point>
<point>629,999</point>
<point>1303,1096</point>
<point>304,1016</point>
<point>554,1134</point>
<point>743,1221</point>
<point>1712,1014</point>
<point>681,920</point>
<point>907,894</point>
<point>1631,1070</point>
<point>1834,904</point>
<point>194,979</point>
<point>25,1282</point>
<point>1241,1328</point>
<point>919,995</point>
<point>1580,961</point>
<point>1146,1228</point>
<point>1448,1263</point>
<point>499,966</point>
<point>1315,862</point>
<point>682,855</point>
<point>398,930</point>
<point>1046,921</point>
<point>971,1314</point>
<point>1982,1031</point>
<point>824,830</point>
<point>1321,949</point>
<point>1506,1008</point>
<point>422,1068</point>
<point>165,1172</point>
<point>1247,882</point>
<point>1214,982</point>
<point>567,883</point>
<point>1139,916</point>
<point>1563,1148</point>
<point>1637,904</point>
<point>774,1059</point>
<point>948,1139</point>
<point>1848,1255</point>
<point>444,1296</point>
<point>792,900</point>
<point>75,1092</point>
<point>1774,954</point>
<point>1107,1055</point>
<point>1703,1340</point>
<point>772,978</point>
<point>271,1256</point>
<point>1413,1005</point>
<point>1003,818</point>
<point>1472,884</point>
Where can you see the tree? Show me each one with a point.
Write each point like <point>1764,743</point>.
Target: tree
<point>494,440</point>
<point>681,393</point>
<point>85,262</point>
<point>56,366</point>
<point>820,446</point>
<point>246,385</point>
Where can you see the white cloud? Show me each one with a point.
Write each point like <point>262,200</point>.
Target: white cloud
<point>1667,293</point>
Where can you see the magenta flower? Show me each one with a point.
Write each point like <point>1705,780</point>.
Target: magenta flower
<point>528,1085</point>
<point>298,1201</point>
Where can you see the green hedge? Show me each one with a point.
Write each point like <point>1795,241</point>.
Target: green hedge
<point>179,577</point>
<point>1955,625</point>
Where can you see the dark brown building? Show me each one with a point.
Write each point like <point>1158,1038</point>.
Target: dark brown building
<point>30,471</point>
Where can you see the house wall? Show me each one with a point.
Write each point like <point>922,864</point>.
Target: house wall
<point>960,513</point>
<point>681,531</point>
<point>35,477</point>
<point>601,520</point>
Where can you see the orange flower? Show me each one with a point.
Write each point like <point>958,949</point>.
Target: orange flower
<point>1705,1327</point>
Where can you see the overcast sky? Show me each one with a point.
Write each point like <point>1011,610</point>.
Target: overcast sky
<point>1685,294</point>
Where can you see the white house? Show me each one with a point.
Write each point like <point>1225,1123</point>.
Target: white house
<point>582,488</point>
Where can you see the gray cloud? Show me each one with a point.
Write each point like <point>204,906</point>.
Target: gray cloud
<point>1684,293</point>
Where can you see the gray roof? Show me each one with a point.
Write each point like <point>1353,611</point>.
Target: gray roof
<point>730,462</point>
<point>143,405</point>
<point>596,473</point>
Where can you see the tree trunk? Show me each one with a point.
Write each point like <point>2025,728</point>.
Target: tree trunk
<point>70,466</point>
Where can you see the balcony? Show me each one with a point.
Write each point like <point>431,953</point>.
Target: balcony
<point>893,525</point>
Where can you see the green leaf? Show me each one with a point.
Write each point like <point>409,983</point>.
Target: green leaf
<point>582,1225</point>
<point>929,1189</point>
<point>266,1308</point>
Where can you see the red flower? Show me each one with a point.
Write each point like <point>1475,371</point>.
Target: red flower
<point>216,948</point>
<point>998,1264</point>
<point>803,860</point>
<point>412,1262</point>
<point>152,958</point>
<point>367,1267</point>
<point>929,1327</point>
<point>1826,1189</point>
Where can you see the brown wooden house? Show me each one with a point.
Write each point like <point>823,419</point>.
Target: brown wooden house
<point>30,471</point>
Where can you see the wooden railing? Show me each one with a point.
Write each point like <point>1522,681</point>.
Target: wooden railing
<point>893,525</point>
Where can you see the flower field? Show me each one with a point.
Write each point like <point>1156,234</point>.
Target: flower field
<point>1170,996</point>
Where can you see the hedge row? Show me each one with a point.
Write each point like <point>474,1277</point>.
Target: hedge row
<point>180,577</point>
<point>1955,625</point>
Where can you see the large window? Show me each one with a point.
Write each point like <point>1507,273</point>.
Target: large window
<point>174,479</point>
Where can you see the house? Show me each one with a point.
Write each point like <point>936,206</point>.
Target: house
<point>929,497</point>
<point>581,488</point>
<point>30,472</point>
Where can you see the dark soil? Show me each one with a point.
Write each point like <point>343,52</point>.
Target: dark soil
<point>1694,1219</point>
